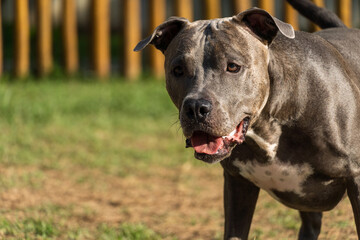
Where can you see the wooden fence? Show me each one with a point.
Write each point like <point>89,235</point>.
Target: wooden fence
<point>131,22</point>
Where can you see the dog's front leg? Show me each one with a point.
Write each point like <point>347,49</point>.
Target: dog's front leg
<point>310,225</point>
<point>240,198</point>
<point>353,191</point>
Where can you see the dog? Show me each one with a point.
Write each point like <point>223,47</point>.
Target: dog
<point>278,108</point>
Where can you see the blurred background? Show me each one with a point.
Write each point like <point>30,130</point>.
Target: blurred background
<point>96,38</point>
<point>90,144</point>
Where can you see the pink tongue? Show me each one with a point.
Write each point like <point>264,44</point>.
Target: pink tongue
<point>205,143</point>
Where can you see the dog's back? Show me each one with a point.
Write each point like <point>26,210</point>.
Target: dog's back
<point>345,40</point>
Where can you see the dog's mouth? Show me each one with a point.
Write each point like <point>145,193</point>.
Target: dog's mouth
<point>213,149</point>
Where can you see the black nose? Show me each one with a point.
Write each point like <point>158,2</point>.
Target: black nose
<point>197,109</point>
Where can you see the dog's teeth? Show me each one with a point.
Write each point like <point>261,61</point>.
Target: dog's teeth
<point>232,133</point>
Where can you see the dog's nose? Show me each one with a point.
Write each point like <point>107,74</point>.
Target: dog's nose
<point>197,109</point>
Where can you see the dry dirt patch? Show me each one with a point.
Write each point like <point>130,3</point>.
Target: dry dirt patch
<point>185,203</point>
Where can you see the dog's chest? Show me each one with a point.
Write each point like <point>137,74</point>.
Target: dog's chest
<point>268,171</point>
<point>275,175</point>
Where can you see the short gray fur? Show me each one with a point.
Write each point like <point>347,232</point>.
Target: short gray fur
<point>301,93</point>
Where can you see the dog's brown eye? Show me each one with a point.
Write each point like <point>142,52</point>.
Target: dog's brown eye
<point>233,68</point>
<point>178,71</point>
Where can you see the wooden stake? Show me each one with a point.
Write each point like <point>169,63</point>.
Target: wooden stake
<point>44,37</point>
<point>70,36</point>
<point>212,9</point>
<point>291,16</point>
<point>344,11</point>
<point>22,38</point>
<point>1,44</point>
<point>132,35</point>
<point>240,5</point>
<point>268,5</point>
<point>101,37</point>
<point>157,16</point>
<point>184,8</point>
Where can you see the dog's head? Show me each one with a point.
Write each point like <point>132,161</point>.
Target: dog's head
<point>217,75</point>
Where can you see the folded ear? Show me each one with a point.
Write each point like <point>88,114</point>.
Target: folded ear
<point>263,25</point>
<point>163,34</point>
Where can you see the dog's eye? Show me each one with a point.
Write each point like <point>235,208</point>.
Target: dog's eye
<point>178,71</point>
<point>233,68</point>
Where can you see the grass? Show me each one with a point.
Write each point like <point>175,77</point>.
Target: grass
<point>79,119</point>
<point>127,232</point>
<point>90,160</point>
<point>117,128</point>
<point>31,228</point>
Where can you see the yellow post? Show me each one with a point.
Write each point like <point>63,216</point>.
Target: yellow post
<point>1,44</point>
<point>132,35</point>
<point>157,16</point>
<point>101,37</point>
<point>184,8</point>
<point>344,10</point>
<point>319,3</point>
<point>44,39</point>
<point>212,9</point>
<point>70,37</point>
<point>22,38</point>
<point>268,5</point>
<point>291,16</point>
<point>241,5</point>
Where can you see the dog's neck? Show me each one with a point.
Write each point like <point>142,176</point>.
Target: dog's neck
<point>288,98</point>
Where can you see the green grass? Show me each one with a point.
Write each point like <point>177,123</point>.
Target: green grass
<point>96,125</point>
<point>118,128</point>
<point>31,228</point>
<point>127,232</point>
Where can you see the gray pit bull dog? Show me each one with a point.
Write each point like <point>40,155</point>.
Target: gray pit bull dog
<point>279,108</point>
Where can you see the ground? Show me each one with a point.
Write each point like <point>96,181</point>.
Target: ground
<point>107,161</point>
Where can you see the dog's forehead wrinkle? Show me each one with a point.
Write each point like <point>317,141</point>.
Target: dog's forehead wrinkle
<point>204,39</point>
<point>215,32</point>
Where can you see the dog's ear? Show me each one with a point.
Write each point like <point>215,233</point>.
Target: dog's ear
<point>263,25</point>
<point>163,34</point>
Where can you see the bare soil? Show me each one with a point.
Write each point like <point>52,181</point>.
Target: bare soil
<point>185,203</point>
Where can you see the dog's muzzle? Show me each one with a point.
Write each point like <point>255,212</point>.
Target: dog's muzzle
<point>211,148</point>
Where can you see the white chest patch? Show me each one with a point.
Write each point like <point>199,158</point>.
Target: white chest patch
<point>269,148</point>
<point>276,175</point>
